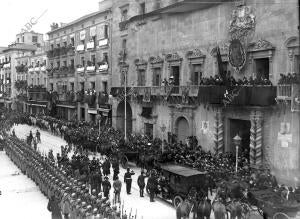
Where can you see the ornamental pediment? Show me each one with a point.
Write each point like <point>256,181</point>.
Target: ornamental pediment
<point>195,54</point>
<point>173,57</point>
<point>292,42</point>
<point>139,62</point>
<point>260,45</point>
<point>155,60</point>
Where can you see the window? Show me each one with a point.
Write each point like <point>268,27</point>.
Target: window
<point>124,42</point>
<point>157,77</point>
<point>297,64</point>
<point>82,86</point>
<point>142,8</point>
<point>82,42</point>
<point>93,60</point>
<point>38,81</point>
<point>72,86</point>
<point>34,39</point>
<point>146,112</point>
<point>82,61</point>
<point>104,84</point>
<point>262,68</point>
<point>18,40</point>
<point>141,77</point>
<point>82,114</point>
<point>196,74</point>
<point>106,31</point>
<point>124,14</point>
<point>45,62</point>
<point>72,63</point>
<point>105,57</point>
<point>23,39</point>
<point>93,85</point>
<point>72,41</point>
<point>65,63</point>
<point>149,130</point>
<point>65,44</point>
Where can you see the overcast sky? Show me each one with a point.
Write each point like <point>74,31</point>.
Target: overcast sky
<point>15,14</point>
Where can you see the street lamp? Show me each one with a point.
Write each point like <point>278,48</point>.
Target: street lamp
<point>237,141</point>
<point>163,129</point>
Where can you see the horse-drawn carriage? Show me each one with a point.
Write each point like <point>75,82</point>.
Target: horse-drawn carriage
<point>176,183</point>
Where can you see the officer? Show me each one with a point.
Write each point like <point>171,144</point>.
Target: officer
<point>106,187</point>
<point>152,186</point>
<point>141,183</point>
<point>128,180</point>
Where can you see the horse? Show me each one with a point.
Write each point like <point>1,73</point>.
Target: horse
<point>235,209</point>
<point>219,209</point>
<point>204,209</point>
<point>183,210</point>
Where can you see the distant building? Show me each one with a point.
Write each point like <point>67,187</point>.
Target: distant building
<point>79,66</point>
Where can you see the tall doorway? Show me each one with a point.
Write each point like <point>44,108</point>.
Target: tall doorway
<point>242,128</point>
<point>182,129</point>
<point>262,68</point>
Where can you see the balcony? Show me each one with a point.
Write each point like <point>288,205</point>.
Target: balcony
<point>30,69</point>
<point>103,42</point>
<point>91,68</point>
<point>80,48</point>
<point>36,89</point>
<point>37,69</point>
<point>103,67</point>
<point>284,92</point>
<point>210,94</point>
<point>90,45</point>
<point>80,69</point>
<point>21,68</point>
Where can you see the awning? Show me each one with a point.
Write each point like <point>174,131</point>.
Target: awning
<point>92,111</point>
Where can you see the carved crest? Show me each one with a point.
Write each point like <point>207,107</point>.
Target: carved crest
<point>242,22</point>
<point>237,54</point>
<point>193,54</point>
<point>171,57</point>
<point>155,60</point>
<point>260,45</point>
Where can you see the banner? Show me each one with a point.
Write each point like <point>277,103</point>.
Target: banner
<point>237,55</point>
<point>93,31</point>
<point>82,35</point>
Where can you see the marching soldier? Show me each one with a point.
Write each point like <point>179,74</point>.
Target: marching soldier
<point>117,184</point>
<point>141,183</point>
<point>106,187</point>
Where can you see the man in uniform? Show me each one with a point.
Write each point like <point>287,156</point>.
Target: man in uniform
<point>128,180</point>
<point>117,189</point>
<point>106,187</point>
<point>141,183</point>
<point>152,186</point>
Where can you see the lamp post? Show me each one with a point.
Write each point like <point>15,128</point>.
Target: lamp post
<point>163,129</point>
<point>237,141</point>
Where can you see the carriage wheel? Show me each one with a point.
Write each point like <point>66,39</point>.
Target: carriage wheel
<point>280,215</point>
<point>177,200</point>
<point>124,161</point>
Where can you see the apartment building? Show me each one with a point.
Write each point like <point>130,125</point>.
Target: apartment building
<point>79,66</point>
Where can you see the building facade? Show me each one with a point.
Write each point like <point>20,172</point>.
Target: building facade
<point>32,81</point>
<point>185,44</point>
<point>78,66</point>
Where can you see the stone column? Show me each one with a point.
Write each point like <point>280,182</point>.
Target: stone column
<point>256,138</point>
<point>252,138</point>
<point>258,149</point>
<point>219,132</point>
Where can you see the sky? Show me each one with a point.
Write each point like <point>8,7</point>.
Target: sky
<point>15,14</point>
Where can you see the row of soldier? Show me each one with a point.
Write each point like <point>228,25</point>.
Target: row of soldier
<point>69,197</point>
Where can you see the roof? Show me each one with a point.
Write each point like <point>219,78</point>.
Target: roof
<point>78,20</point>
<point>181,170</point>
<point>21,46</point>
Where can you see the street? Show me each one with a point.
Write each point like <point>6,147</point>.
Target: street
<point>143,207</point>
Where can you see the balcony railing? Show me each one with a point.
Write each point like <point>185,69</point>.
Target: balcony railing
<point>212,94</point>
<point>284,92</point>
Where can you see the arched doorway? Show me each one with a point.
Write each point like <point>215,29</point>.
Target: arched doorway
<point>121,117</point>
<point>182,129</point>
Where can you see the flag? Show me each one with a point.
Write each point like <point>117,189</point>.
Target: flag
<point>220,66</point>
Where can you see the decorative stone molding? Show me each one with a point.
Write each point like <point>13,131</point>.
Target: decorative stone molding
<point>173,59</point>
<point>141,64</point>
<point>293,46</point>
<point>156,62</point>
<point>195,56</point>
<point>219,132</point>
<point>261,49</point>
<point>261,44</point>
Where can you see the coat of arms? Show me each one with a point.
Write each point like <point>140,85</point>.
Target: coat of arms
<point>242,22</point>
